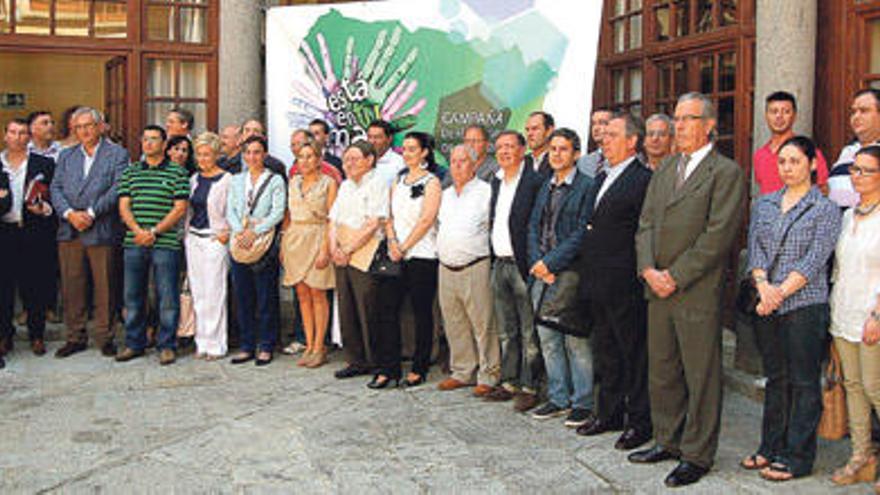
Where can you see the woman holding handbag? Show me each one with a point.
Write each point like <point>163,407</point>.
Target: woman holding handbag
<point>855,314</point>
<point>355,232</point>
<point>305,249</point>
<point>206,235</point>
<point>791,236</point>
<point>254,208</point>
<point>411,232</point>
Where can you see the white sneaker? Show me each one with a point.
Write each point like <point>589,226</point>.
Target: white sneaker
<point>294,348</point>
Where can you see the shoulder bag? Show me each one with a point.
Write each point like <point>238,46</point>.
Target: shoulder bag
<point>262,245</point>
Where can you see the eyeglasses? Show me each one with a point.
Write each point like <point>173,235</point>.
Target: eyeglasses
<point>862,172</point>
<point>686,118</point>
<point>80,127</point>
<point>656,134</point>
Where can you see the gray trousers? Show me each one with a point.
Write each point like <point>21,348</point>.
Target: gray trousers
<point>521,363</point>
<point>466,304</point>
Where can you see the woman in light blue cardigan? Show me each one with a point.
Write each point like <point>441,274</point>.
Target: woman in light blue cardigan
<point>257,307</point>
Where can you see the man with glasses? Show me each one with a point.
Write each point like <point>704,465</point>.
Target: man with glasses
<point>865,122</point>
<point>658,139</point>
<point>84,198</point>
<point>477,137</point>
<point>689,221</point>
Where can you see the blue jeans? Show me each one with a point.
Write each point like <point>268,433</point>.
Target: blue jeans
<point>568,361</point>
<point>166,275</point>
<point>256,297</point>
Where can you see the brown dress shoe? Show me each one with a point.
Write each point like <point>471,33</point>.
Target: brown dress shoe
<point>167,357</point>
<point>451,384</point>
<point>128,354</point>
<point>69,349</point>
<point>499,394</point>
<point>525,401</point>
<point>38,347</point>
<point>482,390</point>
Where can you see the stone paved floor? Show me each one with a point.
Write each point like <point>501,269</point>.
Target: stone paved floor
<point>89,425</point>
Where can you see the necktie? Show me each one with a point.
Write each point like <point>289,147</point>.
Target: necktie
<point>681,171</point>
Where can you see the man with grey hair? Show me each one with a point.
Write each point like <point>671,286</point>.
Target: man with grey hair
<point>230,141</point>
<point>477,137</point>
<point>84,196</point>
<point>464,284</point>
<point>689,222</point>
<point>658,139</point>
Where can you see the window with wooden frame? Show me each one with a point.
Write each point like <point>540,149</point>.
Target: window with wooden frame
<point>82,18</point>
<point>184,21</point>
<point>174,83</point>
<point>684,45</point>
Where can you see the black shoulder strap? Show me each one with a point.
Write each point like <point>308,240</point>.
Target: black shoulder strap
<point>256,199</point>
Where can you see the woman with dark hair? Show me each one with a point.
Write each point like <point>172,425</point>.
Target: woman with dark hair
<point>355,232</point>
<point>855,314</point>
<point>179,150</point>
<point>255,205</point>
<point>411,232</point>
<point>791,236</point>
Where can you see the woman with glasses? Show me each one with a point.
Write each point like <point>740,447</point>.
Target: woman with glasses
<point>855,314</point>
<point>791,236</point>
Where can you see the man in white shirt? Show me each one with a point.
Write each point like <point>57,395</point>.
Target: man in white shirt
<point>388,163</point>
<point>42,129</point>
<point>514,188</point>
<point>865,122</point>
<point>464,279</point>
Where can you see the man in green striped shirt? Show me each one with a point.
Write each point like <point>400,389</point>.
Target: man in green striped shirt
<point>153,197</point>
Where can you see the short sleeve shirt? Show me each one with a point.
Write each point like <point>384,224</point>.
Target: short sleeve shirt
<point>153,191</point>
<point>766,164</point>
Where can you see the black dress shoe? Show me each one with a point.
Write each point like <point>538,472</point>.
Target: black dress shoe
<point>263,361</point>
<point>652,455</point>
<point>381,381</point>
<point>71,348</point>
<point>108,349</point>
<point>632,438</point>
<point>242,358</point>
<point>413,383</point>
<point>350,371</point>
<point>684,474</point>
<point>599,426</point>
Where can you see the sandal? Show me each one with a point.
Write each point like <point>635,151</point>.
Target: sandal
<point>860,468</point>
<point>754,461</point>
<point>777,472</point>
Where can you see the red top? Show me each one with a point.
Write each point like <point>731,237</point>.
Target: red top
<point>766,164</point>
<point>326,169</point>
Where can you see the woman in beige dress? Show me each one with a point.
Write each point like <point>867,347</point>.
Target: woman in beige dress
<point>305,250</point>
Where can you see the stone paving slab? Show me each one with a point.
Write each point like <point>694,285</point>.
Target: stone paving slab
<point>88,425</point>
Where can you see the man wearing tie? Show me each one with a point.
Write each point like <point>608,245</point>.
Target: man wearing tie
<point>690,218</point>
<point>615,295</point>
<point>84,198</point>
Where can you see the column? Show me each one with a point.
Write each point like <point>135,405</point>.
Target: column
<point>240,68</point>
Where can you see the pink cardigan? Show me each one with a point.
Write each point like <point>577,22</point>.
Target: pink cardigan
<point>216,204</point>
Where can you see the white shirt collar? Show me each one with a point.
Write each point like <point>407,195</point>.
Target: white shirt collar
<point>519,172</point>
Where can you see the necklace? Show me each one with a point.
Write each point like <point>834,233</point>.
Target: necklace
<point>863,211</point>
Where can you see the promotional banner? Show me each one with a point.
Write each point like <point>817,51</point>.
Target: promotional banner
<point>431,65</point>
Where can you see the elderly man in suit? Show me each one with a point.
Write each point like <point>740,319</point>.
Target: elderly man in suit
<point>27,233</point>
<point>514,188</point>
<point>615,295</point>
<point>690,218</point>
<point>84,197</point>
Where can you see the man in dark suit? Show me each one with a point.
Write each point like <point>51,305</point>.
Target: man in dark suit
<point>84,198</point>
<point>514,188</point>
<point>539,126</point>
<point>690,218</point>
<point>27,232</point>
<point>614,293</point>
<point>235,164</point>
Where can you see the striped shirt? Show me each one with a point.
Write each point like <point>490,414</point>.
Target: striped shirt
<point>153,191</point>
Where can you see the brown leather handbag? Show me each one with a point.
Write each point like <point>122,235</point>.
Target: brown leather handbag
<point>834,423</point>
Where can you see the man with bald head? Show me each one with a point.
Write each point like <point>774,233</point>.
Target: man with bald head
<point>464,277</point>
<point>230,139</point>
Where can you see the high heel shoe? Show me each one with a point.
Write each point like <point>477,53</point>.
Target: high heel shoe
<point>862,468</point>
<point>377,383</point>
<point>413,383</point>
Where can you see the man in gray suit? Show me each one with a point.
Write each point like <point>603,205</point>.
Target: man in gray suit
<point>84,197</point>
<point>690,217</point>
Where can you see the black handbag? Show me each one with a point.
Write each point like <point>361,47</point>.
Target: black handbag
<point>560,308</point>
<point>382,266</point>
<point>747,298</point>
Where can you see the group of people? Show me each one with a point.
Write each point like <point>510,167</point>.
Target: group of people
<point>549,263</point>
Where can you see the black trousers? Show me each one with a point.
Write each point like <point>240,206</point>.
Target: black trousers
<point>620,358</point>
<point>27,265</point>
<point>358,314</point>
<point>419,281</point>
<point>792,348</point>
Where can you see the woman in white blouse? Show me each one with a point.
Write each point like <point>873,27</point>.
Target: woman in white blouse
<point>855,313</point>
